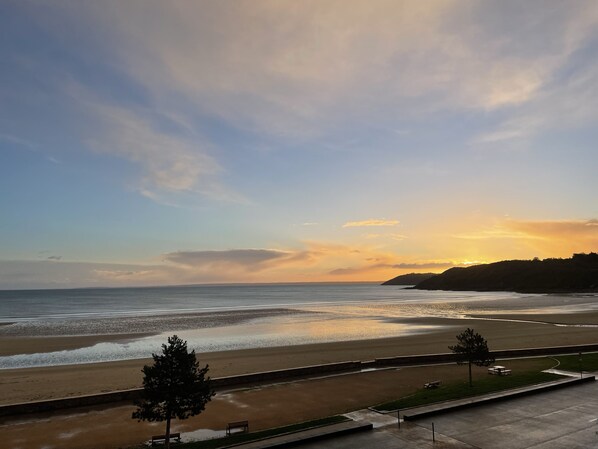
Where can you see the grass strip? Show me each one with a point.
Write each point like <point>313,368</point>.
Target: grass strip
<point>589,362</point>
<point>247,437</point>
<point>462,390</point>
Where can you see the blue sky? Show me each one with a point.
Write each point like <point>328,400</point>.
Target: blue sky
<point>148,142</point>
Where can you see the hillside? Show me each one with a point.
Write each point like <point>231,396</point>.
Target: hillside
<point>409,279</point>
<point>577,274</point>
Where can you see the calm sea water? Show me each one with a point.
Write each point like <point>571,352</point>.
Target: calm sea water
<point>19,305</point>
<point>215,318</point>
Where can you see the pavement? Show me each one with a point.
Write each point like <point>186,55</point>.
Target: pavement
<point>347,428</point>
<point>565,417</point>
<point>443,407</point>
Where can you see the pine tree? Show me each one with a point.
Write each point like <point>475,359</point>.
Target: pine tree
<point>174,386</point>
<point>472,348</point>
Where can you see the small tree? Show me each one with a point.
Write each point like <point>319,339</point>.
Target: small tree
<point>472,348</point>
<point>174,386</point>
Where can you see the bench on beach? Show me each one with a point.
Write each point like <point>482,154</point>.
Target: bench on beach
<point>432,384</point>
<point>243,425</point>
<point>499,370</point>
<point>176,437</point>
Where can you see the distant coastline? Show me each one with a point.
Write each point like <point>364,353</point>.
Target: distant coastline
<point>578,274</point>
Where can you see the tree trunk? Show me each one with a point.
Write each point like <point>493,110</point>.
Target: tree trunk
<point>167,441</point>
<point>470,382</point>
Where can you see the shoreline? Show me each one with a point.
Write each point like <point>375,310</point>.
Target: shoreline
<point>12,345</point>
<point>33,384</point>
<point>16,344</point>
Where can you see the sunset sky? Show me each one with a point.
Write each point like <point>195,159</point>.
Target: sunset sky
<point>147,142</point>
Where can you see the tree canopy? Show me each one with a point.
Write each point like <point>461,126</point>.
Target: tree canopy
<point>472,348</point>
<point>174,386</point>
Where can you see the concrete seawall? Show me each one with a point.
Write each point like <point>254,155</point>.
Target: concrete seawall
<point>223,383</point>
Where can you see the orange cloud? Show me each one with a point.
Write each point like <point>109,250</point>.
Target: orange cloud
<point>546,238</point>
<point>363,223</point>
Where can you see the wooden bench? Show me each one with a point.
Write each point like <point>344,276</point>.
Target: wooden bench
<point>243,425</point>
<point>433,384</point>
<point>162,438</point>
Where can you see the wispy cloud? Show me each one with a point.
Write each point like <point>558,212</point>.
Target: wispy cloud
<point>558,229</point>
<point>323,64</point>
<point>564,99</point>
<point>18,141</point>
<point>495,232</point>
<point>546,237</point>
<point>371,222</point>
<point>424,265</point>
<point>392,236</point>
<point>249,259</point>
<point>169,162</point>
<point>379,267</point>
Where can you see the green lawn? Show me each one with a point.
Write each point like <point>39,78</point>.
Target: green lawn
<point>589,362</point>
<point>246,437</point>
<point>482,385</point>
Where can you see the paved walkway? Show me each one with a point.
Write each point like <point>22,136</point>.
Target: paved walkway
<point>433,409</point>
<point>386,433</point>
<point>309,435</point>
<point>552,420</point>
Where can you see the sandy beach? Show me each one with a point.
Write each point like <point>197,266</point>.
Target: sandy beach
<point>265,407</point>
<point>31,384</point>
<point>85,428</point>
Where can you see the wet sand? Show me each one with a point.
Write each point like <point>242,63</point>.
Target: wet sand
<point>267,406</point>
<point>32,345</point>
<point>32,384</point>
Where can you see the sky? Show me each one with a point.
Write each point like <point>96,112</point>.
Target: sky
<point>155,143</point>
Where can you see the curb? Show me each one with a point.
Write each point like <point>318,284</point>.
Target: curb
<point>295,438</point>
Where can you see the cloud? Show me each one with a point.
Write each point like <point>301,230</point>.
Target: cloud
<point>49,274</point>
<point>397,237</point>
<point>378,267</point>
<point>584,230</point>
<point>169,162</point>
<point>547,238</point>
<point>124,275</point>
<point>423,265</point>
<point>281,73</point>
<point>495,232</point>
<point>537,230</point>
<point>567,97</point>
<point>18,141</point>
<point>249,259</point>
<point>54,258</point>
<point>365,223</point>
<point>313,261</point>
<point>297,72</point>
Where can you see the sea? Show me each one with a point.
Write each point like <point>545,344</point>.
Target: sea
<point>226,317</point>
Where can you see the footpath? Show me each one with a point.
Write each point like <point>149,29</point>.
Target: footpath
<point>442,407</point>
<point>413,435</point>
<point>307,436</point>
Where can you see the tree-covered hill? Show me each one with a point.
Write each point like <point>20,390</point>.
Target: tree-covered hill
<point>577,274</point>
<point>409,279</point>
